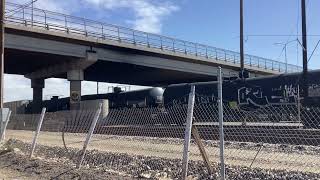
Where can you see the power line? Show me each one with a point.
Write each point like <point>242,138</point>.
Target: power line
<point>314,51</point>
<point>279,35</point>
<point>19,8</point>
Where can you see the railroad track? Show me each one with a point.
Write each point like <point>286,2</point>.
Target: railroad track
<point>294,135</point>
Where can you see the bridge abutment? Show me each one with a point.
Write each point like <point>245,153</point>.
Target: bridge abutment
<point>37,85</point>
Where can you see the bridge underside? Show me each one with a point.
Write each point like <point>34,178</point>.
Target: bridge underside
<point>38,55</point>
<point>25,62</point>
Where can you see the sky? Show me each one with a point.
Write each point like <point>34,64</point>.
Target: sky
<point>267,24</point>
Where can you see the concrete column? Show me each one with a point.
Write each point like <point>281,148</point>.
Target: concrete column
<point>75,77</point>
<point>37,86</point>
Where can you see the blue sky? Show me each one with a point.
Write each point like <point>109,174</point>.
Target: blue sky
<point>216,22</point>
<point>211,22</point>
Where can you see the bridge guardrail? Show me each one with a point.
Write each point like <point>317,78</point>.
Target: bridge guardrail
<point>19,14</point>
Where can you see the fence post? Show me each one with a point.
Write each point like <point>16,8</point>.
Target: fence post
<point>34,141</point>
<point>187,135</point>
<point>299,104</point>
<point>89,135</point>
<point>3,126</point>
<point>221,133</point>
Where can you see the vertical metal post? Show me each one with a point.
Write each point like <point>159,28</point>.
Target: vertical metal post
<point>265,64</point>
<point>148,42</point>
<point>97,87</point>
<point>299,104</point>
<point>187,135</point>
<point>304,50</point>
<point>4,126</point>
<point>33,146</point>
<point>196,48</point>
<point>216,54</point>
<point>85,27</point>
<point>241,37</point>
<point>134,38</point>
<point>118,31</point>
<point>66,24</point>
<point>89,135</point>
<point>207,52</point>
<point>173,46</point>
<point>2,8</point>
<point>102,31</point>
<point>286,58</point>
<point>221,133</point>
<point>32,14</point>
<point>45,20</point>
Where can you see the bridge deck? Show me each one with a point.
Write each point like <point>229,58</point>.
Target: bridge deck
<point>98,32</point>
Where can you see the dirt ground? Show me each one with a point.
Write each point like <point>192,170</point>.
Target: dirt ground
<point>9,173</point>
<point>265,159</point>
<point>18,166</point>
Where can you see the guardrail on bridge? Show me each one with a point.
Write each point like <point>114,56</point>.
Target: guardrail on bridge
<point>38,18</point>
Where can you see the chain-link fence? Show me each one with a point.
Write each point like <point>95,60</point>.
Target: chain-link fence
<point>148,142</point>
<point>270,142</point>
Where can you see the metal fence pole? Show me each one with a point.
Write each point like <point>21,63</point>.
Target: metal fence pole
<point>4,127</point>
<point>221,133</point>
<point>187,136</point>
<point>299,104</point>
<point>34,141</point>
<point>89,135</point>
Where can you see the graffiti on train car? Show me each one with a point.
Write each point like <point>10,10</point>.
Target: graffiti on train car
<point>256,97</point>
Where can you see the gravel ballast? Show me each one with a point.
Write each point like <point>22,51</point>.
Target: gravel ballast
<point>130,166</point>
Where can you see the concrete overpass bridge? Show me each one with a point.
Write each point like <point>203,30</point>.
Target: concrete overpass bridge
<point>41,44</point>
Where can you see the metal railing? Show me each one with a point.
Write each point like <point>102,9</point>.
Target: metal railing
<point>53,21</point>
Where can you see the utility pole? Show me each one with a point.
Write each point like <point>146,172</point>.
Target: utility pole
<point>97,87</point>
<point>2,13</point>
<point>305,51</point>
<point>241,38</point>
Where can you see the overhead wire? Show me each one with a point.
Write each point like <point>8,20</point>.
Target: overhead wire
<point>314,51</point>
<point>19,8</point>
<point>288,39</point>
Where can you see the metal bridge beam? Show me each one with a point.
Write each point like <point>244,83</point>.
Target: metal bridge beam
<point>58,69</point>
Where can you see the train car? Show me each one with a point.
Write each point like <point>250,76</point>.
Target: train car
<point>151,97</point>
<point>17,107</point>
<point>253,94</point>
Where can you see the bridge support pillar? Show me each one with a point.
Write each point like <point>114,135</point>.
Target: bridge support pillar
<point>37,86</point>
<point>75,77</point>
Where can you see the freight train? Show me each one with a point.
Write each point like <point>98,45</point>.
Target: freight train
<point>250,94</point>
<point>151,97</point>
